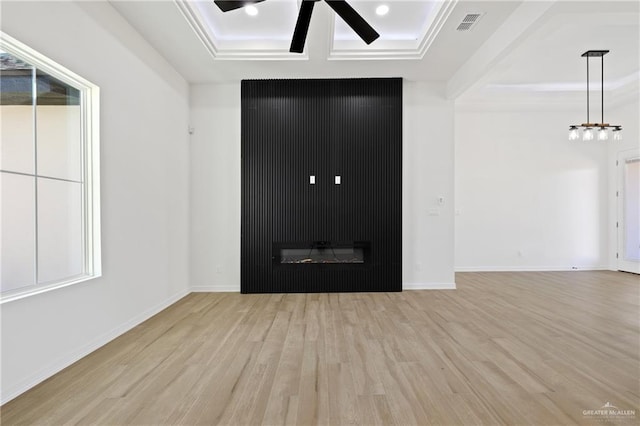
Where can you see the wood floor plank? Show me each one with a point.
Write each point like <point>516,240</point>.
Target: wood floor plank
<point>504,348</point>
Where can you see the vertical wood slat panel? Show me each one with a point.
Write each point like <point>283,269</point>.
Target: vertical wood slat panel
<point>295,128</point>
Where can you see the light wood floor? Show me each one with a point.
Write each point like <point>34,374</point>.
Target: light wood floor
<point>505,348</point>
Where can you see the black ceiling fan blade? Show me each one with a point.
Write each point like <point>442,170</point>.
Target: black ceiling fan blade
<point>227,5</point>
<point>302,26</point>
<point>354,20</point>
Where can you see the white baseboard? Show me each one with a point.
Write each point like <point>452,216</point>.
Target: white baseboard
<point>529,268</point>
<point>428,286</point>
<point>215,289</point>
<point>75,355</point>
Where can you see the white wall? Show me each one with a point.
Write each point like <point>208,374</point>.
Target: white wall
<point>215,187</point>
<point>526,197</point>
<point>627,116</point>
<point>215,178</point>
<point>144,179</point>
<point>428,174</point>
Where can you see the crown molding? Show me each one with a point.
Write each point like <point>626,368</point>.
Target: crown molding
<point>392,50</point>
<point>218,51</point>
<point>396,50</point>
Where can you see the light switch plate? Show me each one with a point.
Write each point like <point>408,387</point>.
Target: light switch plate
<point>337,180</point>
<point>312,180</point>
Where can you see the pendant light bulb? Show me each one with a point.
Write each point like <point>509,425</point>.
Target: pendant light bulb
<point>603,135</point>
<point>617,134</point>
<point>587,134</point>
<point>573,133</point>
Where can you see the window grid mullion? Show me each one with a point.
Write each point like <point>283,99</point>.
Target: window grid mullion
<point>34,105</point>
<point>89,226</point>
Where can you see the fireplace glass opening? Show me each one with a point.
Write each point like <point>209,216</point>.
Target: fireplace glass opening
<point>321,252</point>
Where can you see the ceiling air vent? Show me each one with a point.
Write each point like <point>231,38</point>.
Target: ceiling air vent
<point>469,21</point>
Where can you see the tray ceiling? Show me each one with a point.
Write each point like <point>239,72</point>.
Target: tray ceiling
<point>509,47</point>
<point>406,31</point>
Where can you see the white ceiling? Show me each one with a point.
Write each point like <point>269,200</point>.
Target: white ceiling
<point>236,31</point>
<point>406,20</point>
<point>516,46</point>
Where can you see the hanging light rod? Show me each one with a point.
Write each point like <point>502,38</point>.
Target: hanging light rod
<point>588,127</point>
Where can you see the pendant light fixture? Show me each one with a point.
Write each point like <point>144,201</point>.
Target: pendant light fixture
<point>592,130</point>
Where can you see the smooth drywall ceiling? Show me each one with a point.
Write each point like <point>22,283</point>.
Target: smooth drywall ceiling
<point>144,186</point>
<point>526,197</point>
<point>215,184</point>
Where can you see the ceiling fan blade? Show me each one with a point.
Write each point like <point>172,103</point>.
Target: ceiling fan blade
<point>227,5</point>
<point>302,26</point>
<point>354,20</point>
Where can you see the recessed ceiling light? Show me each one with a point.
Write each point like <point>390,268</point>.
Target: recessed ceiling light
<point>382,10</point>
<point>251,10</point>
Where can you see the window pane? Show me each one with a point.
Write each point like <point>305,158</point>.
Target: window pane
<point>60,251</point>
<point>49,147</point>
<point>58,128</point>
<point>17,228</point>
<point>59,141</point>
<point>16,109</point>
<point>52,91</point>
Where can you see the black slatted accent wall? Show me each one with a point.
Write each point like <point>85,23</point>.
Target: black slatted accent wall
<point>292,129</point>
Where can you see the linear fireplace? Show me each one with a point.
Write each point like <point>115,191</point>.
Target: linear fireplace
<point>321,253</point>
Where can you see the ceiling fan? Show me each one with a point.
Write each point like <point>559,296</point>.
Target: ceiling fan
<point>341,7</point>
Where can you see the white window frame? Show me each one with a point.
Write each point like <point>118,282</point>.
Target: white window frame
<point>90,134</point>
